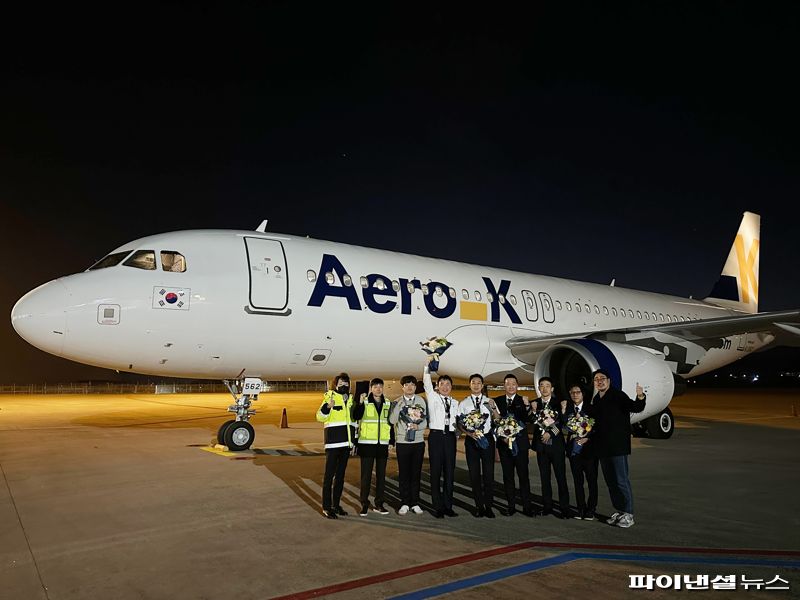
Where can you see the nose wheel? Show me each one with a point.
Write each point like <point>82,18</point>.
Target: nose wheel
<point>237,434</point>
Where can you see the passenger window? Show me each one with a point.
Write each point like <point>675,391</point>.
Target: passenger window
<point>513,300</point>
<point>668,319</point>
<point>558,304</point>
<point>311,275</point>
<point>577,307</point>
<point>489,297</point>
<point>424,287</point>
<point>451,292</point>
<point>502,298</point>
<point>363,282</point>
<point>112,260</point>
<point>661,317</point>
<point>613,311</point>
<point>347,280</point>
<point>647,316</point>
<point>142,259</point>
<point>630,313</point>
<point>410,287</point>
<point>439,291</point>
<point>588,310</point>
<point>638,314</point>
<point>477,295</point>
<point>465,294</point>
<point>173,261</point>
<point>381,285</point>
<point>395,286</point>
<point>605,310</point>
<point>569,306</point>
<point>596,310</point>
<point>329,278</point>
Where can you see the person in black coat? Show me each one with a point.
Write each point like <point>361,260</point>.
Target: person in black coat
<point>550,450</point>
<point>582,458</point>
<point>520,408</point>
<point>611,408</point>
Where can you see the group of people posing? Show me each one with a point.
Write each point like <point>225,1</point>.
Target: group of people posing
<point>372,423</point>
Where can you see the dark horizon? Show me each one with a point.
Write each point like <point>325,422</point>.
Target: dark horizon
<point>584,141</point>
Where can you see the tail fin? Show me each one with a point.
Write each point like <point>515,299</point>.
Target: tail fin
<point>737,287</point>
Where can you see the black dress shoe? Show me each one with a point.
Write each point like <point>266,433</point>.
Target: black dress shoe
<point>479,513</point>
<point>450,512</point>
<point>438,514</point>
<point>565,515</point>
<point>329,514</point>
<point>489,513</point>
<point>547,511</point>
<point>507,512</point>
<point>528,512</point>
<point>340,511</point>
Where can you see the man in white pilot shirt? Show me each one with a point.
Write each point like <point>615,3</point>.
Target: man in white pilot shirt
<point>480,461</point>
<point>442,411</point>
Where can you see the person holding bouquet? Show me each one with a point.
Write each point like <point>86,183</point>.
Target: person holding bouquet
<point>511,403</point>
<point>340,434</point>
<point>409,415</point>
<point>375,435</point>
<point>550,451</point>
<point>442,410</point>
<point>580,450</point>
<point>479,445</point>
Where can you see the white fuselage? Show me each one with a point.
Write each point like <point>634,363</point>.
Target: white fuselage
<point>239,313</point>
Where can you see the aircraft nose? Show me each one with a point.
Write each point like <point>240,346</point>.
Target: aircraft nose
<point>40,317</point>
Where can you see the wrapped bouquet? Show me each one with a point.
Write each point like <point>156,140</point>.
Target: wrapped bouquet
<point>473,422</point>
<point>508,429</point>
<point>435,346</point>
<point>412,415</point>
<point>545,419</point>
<point>580,426</point>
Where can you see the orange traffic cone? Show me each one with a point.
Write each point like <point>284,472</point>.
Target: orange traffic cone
<point>284,420</point>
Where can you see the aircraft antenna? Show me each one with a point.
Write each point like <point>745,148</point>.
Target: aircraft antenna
<point>263,227</point>
<point>613,281</point>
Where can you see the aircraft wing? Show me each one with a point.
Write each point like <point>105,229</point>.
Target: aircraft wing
<point>784,325</point>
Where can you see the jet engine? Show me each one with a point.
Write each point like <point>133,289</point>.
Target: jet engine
<point>574,361</point>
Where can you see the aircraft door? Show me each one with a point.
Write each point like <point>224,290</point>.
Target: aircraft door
<point>269,280</point>
<point>531,309</point>
<point>548,312</point>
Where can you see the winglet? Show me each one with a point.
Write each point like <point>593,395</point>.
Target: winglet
<point>738,284</point>
<point>263,227</point>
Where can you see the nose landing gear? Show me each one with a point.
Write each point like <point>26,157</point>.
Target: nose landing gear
<point>237,434</point>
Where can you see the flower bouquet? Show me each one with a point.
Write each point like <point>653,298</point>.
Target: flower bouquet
<point>435,346</point>
<point>579,425</point>
<point>412,415</point>
<point>473,422</point>
<point>545,419</point>
<point>508,429</point>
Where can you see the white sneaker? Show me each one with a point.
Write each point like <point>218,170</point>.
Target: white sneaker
<point>626,520</point>
<point>417,510</point>
<point>614,518</point>
<point>403,510</point>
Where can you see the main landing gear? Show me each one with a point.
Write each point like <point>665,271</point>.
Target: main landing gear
<point>237,434</point>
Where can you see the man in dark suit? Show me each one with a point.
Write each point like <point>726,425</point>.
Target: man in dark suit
<point>520,408</point>
<point>611,408</point>
<point>582,459</point>
<point>550,449</point>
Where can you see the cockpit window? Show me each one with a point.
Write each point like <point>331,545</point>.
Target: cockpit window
<point>142,259</point>
<point>111,260</point>
<point>173,261</point>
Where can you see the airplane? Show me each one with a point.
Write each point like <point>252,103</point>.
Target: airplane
<point>217,304</point>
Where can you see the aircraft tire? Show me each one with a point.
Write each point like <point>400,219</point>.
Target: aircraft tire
<point>239,436</point>
<point>221,431</point>
<point>661,426</point>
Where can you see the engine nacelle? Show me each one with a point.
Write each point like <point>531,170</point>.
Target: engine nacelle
<point>575,360</point>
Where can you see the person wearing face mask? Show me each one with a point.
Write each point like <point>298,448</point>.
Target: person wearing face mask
<point>442,410</point>
<point>480,461</point>
<point>410,444</point>
<point>550,451</point>
<point>340,435</point>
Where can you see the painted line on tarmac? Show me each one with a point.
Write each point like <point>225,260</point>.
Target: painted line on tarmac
<point>388,576</point>
<point>383,577</point>
<point>537,565</point>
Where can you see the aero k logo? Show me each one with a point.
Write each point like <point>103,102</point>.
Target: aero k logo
<point>748,279</point>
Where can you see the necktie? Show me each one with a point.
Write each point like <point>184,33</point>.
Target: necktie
<point>446,414</point>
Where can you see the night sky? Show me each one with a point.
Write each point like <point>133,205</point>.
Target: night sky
<point>583,140</point>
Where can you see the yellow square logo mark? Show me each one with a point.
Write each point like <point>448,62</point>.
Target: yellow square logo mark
<point>473,311</point>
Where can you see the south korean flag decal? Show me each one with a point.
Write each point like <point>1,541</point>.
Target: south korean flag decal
<point>171,298</point>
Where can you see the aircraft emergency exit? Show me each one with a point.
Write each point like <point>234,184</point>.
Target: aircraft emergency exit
<point>222,304</point>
